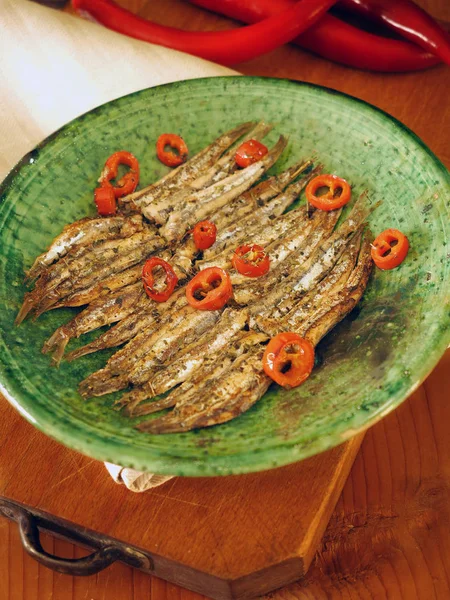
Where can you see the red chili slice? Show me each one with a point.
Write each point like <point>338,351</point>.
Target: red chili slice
<point>210,289</point>
<point>126,184</point>
<point>288,359</point>
<point>170,158</point>
<point>338,194</point>
<point>205,233</point>
<point>251,260</point>
<point>249,153</point>
<point>148,279</point>
<point>389,249</point>
<point>106,201</point>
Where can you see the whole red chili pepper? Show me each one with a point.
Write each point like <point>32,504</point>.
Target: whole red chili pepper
<point>225,47</point>
<point>341,42</point>
<point>408,19</point>
<point>333,39</point>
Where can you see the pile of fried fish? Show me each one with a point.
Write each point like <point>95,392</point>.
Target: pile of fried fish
<point>206,366</point>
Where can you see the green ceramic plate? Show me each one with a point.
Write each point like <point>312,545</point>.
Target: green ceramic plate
<point>370,363</point>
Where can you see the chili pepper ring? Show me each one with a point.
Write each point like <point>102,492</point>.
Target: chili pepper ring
<point>251,260</point>
<point>204,233</point>
<point>389,249</point>
<point>338,194</point>
<point>168,158</point>
<point>210,289</point>
<point>126,184</point>
<point>288,359</point>
<point>148,279</point>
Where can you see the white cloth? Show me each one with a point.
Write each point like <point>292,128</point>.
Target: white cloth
<point>54,67</point>
<point>136,481</point>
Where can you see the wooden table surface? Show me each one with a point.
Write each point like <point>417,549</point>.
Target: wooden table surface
<point>388,537</point>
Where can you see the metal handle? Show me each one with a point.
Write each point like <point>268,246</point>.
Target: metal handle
<point>89,565</point>
<point>101,558</point>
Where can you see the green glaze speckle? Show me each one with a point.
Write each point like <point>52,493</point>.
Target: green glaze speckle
<point>367,365</point>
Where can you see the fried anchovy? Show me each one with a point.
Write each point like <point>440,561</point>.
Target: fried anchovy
<point>213,366</point>
<point>103,260</point>
<point>146,316</point>
<point>260,227</point>
<point>188,171</point>
<point>276,281</point>
<point>217,400</point>
<point>251,200</point>
<point>199,205</point>
<point>124,367</point>
<point>341,302</point>
<point>81,234</point>
<point>102,288</point>
<point>136,350</point>
<point>173,374</point>
<point>168,345</point>
<point>299,275</point>
<point>193,356</point>
<point>116,307</point>
<point>333,282</point>
<point>227,163</point>
<point>186,251</point>
<point>257,198</point>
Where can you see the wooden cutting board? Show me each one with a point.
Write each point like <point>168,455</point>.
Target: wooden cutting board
<point>227,537</point>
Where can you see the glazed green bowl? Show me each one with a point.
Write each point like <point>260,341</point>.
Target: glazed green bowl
<point>369,363</point>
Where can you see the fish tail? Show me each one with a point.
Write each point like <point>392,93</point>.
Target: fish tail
<point>56,344</point>
<point>28,304</point>
<point>99,385</point>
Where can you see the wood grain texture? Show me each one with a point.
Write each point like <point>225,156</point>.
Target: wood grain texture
<point>227,536</point>
<point>388,536</point>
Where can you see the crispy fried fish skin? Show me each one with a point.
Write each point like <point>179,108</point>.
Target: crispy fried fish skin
<point>192,357</point>
<point>147,316</point>
<point>102,312</point>
<point>217,401</point>
<point>277,282</point>
<point>102,288</point>
<point>104,260</point>
<point>227,163</point>
<point>81,234</point>
<point>120,333</point>
<point>144,325</point>
<point>106,286</point>
<point>299,275</point>
<point>301,310</point>
<point>259,230</point>
<point>220,399</point>
<point>206,202</point>
<point>342,301</point>
<point>250,201</point>
<point>188,171</point>
<point>261,227</point>
<point>139,359</point>
<point>168,344</point>
<point>212,367</point>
